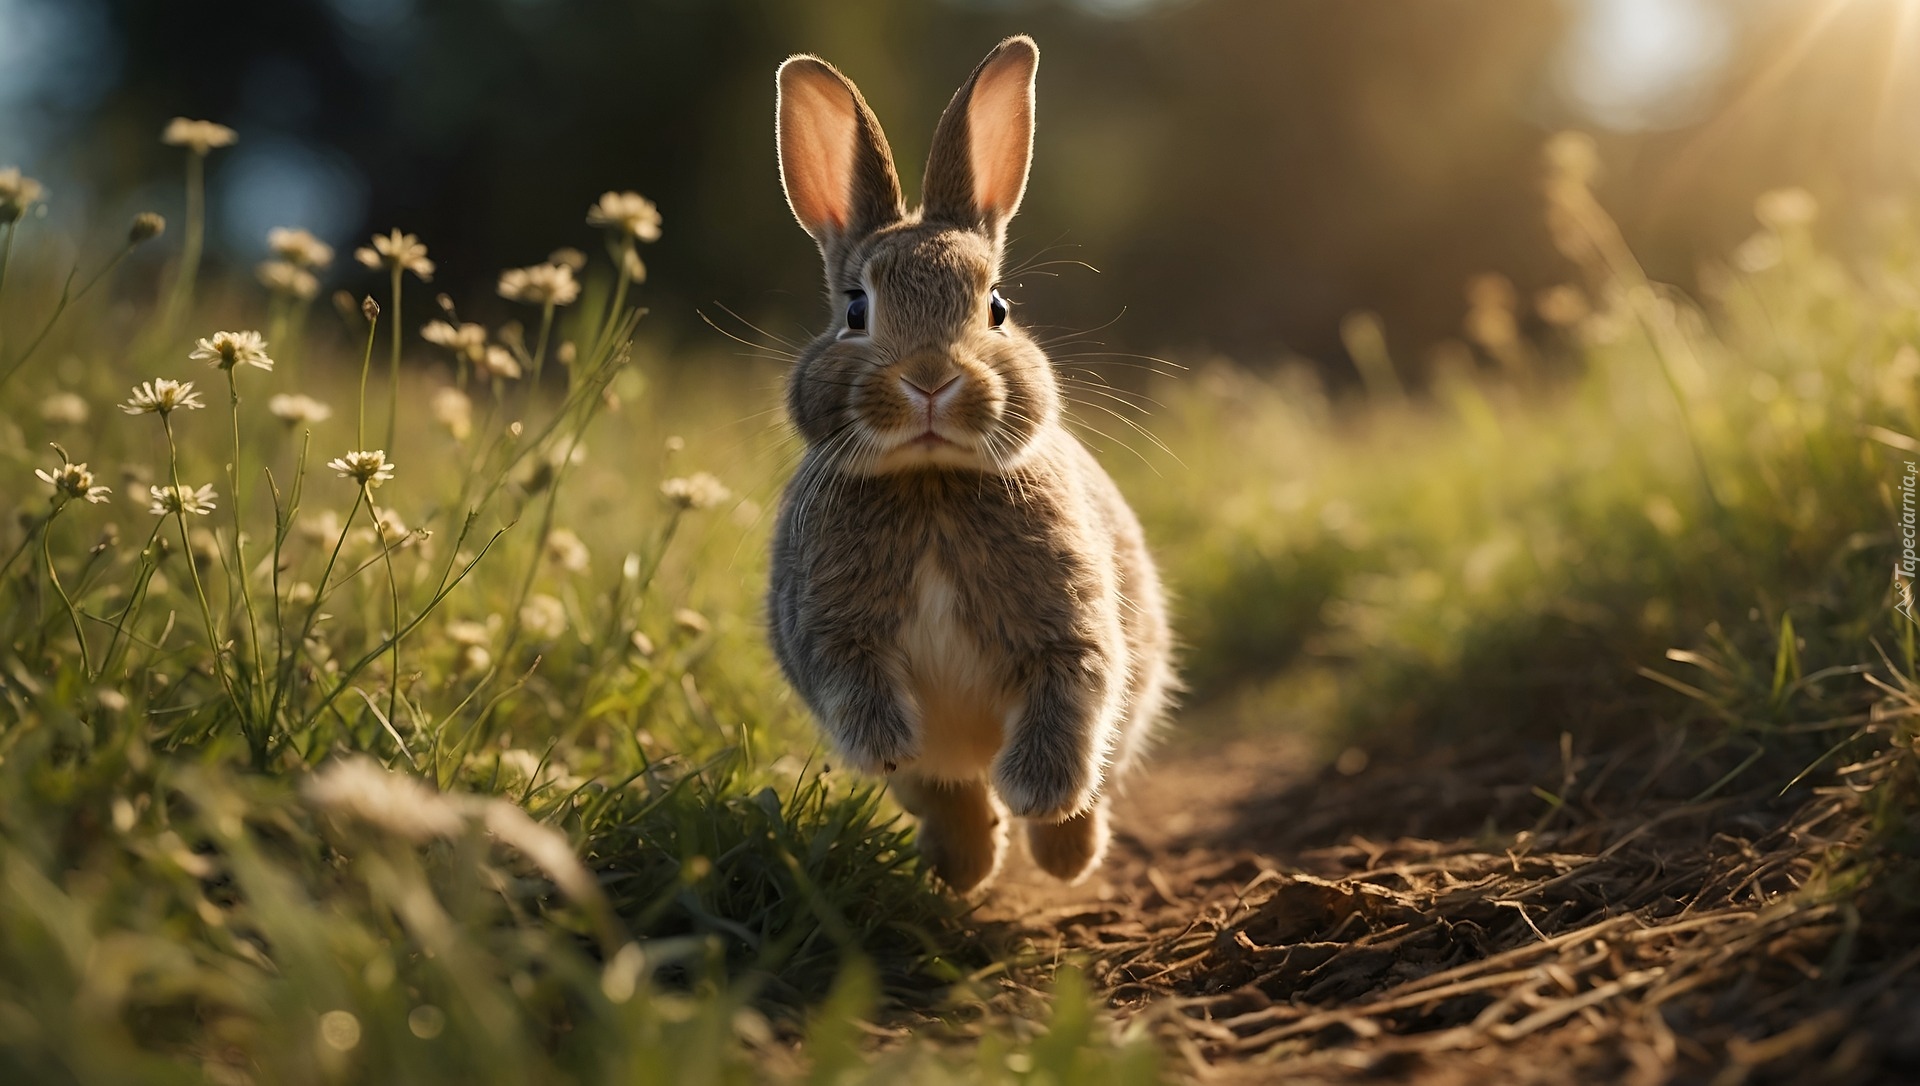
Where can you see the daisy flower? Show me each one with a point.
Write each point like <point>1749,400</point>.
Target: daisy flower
<point>541,284</point>
<point>180,500</point>
<point>299,247</point>
<point>499,362</point>
<point>468,342</point>
<point>197,136</point>
<point>18,192</point>
<point>367,467</point>
<point>296,409</point>
<point>626,213</point>
<point>288,278</point>
<point>225,350</point>
<point>397,250</point>
<point>71,481</point>
<point>65,409</point>
<point>162,397</point>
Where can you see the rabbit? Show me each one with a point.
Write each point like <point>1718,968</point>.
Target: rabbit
<point>958,591</point>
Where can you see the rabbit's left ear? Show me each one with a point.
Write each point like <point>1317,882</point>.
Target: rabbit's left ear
<point>977,170</point>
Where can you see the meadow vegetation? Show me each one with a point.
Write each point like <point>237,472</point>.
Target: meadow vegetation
<point>392,703</point>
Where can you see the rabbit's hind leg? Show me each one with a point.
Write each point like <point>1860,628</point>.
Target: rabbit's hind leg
<point>1069,849</point>
<point>962,828</point>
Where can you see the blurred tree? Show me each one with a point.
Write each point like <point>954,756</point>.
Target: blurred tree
<point>1242,172</point>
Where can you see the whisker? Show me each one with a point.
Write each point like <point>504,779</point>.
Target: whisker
<point>1142,431</point>
<point>1119,395</point>
<point>781,340</point>
<point>1082,424</point>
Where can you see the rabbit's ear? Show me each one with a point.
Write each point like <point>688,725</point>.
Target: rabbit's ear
<point>834,159</point>
<point>977,169</point>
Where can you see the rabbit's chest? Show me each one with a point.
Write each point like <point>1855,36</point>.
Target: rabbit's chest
<point>955,679</point>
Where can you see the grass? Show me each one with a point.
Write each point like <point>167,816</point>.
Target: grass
<point>462,762</point>
<point>1661,514</point>
<point>482,773</point>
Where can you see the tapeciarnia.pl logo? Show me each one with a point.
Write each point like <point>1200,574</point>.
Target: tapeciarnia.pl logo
<point>1909,564</point>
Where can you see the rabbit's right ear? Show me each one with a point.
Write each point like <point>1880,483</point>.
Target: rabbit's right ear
<point>834,159</point>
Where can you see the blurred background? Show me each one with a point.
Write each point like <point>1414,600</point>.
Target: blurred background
<point>1242,173</point>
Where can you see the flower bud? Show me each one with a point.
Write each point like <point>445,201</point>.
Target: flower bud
<point>146,226</point>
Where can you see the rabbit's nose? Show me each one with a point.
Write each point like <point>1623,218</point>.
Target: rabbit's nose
<point>918,388</point>
<point>922,396</point>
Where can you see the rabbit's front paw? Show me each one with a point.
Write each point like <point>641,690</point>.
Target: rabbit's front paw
<point>1050,788</point>
<point>879,739</point>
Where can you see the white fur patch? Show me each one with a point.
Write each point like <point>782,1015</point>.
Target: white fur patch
<point>961,704</point>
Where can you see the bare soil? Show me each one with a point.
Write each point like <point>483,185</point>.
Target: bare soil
<point>1517,912</point>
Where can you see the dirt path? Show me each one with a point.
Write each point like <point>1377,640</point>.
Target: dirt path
<point>1534,913</point>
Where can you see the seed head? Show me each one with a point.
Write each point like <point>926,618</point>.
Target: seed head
<point>225,350</point>
<point>541,284</point>
<point>388,526</point>
<point>295,409</point>
<point>462,631</point>
<point>162,397</point>
<point>299,247</point>
<point>565,549</point>
<point>181,500</point>
<point>698,491</point>
<point>70,481</point>
<point>397,250</point>
<point>366,467</point>
<point>543,617</point>
<point>18,192</point>
<point>197,136</point>
<point>146,226</point>
<point>627,214</point>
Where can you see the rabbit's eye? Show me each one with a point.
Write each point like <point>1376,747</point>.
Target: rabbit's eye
<point>856,311</point>
<point>997,306</point>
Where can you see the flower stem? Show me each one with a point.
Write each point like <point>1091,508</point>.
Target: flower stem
<point>200,590</point>
<point>25,540</point>
<point>393,376</point>
<point>192,246</point>
<point>393,593</point>
<point>603,341</point>
<point>136,599</point>
<point>239,544</point>
<point>53,576</point>
<point>366,363</point>
<point>6,256</point>
<point>68,296</point>
<point>313,609</point>
<point>540,349</point>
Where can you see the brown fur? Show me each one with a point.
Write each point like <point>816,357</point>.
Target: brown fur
<point>959,592</point>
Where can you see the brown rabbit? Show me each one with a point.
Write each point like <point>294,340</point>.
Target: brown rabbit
<point>959,591</point>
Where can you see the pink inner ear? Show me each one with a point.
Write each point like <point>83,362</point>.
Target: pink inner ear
<point>1000,127</point>
<point>817,139</point>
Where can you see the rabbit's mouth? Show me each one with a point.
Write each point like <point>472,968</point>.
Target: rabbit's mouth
<point>927,449</point>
